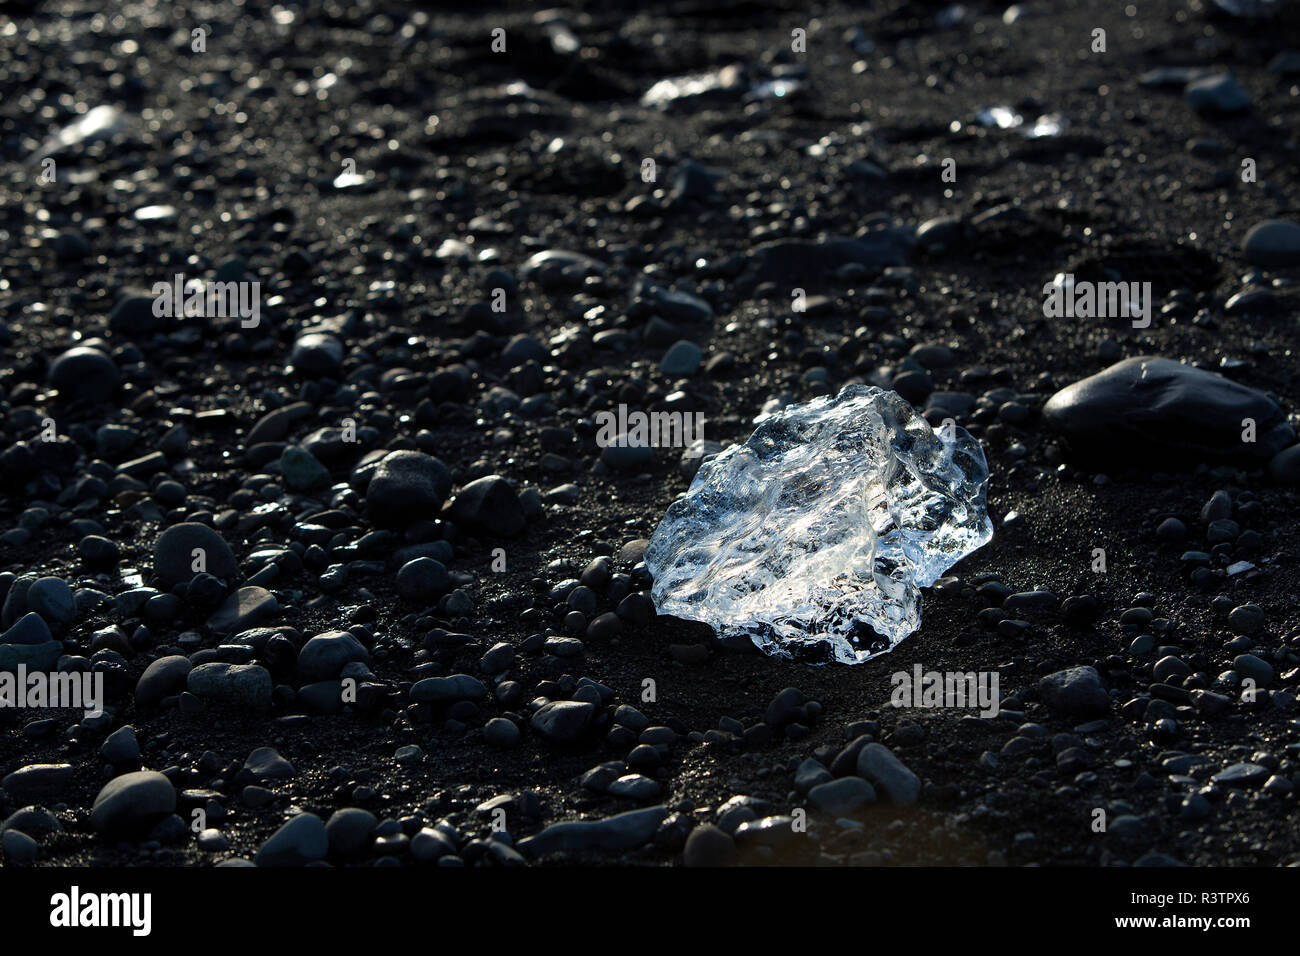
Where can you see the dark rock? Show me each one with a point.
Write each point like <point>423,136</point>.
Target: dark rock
<point>1150,410</point>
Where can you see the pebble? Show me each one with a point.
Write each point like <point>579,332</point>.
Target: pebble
<point>301,470</point>
<point>841,797</point>
<point>325,655</point>
<point>1217,94</point>
<point>1272,244</point>
<point>302,840</point>
<point>38,782</point>
<point>489,504</point>
<point>1147,409</point>
<point>18,847</point>
<point>174,554</point>
<point>121,747</point>
<point>446,690</point>
<point>85,374</point>
<point>246,608</point>
<point>564,721</point>
<point>162,678</point>
<point>500,732</point>
<point>1246,619</point>
<point>1284,467</point>
<point>131,804</point>
<point>423,580</point>
<point>236,686</point>
<point>349,831</point>
<point>406,486</point>
<point>878,765</point>
<point>316,354</point>
<point>1252,667</point>
<point>708,846</point>
<point>265,763</point>
<point>1076,692</point>
<point>681,360</point>
<point>620,832</point>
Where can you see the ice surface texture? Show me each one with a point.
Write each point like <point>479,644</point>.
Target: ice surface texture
<point>814,537</point>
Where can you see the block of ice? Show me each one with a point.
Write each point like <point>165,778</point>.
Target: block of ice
<point>814,537</point>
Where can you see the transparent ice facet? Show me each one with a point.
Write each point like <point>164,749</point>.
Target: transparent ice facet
<point>814,537</point>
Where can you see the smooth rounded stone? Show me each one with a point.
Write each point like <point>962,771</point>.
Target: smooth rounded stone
<point>553,268</point>
<point>622,831</point>
<point>38,782</point>
<point>498,658</point>
<point>1252,667</point>
<point>212,840</point>
<point>30,629</point>
<point>841,797</point>
<point>18,847</point>
<point>811,773</point>
<point>121,747</point>
<point>1031,602</point>
<point>770,831</point>
<point>350,830</point>
<point>1241,775</point>
<point>133,314</point>
<point>52,599</point>
<point>878,765</point>
<point>265,763</point>
<point>1217,94</point>
<point>430,845</point>
<point>238,686</point>
<point>423,580</point>
<point>1284,467</point>
<point>1246,619</point>
<point>563,646</point>
<point>325,655</point>
<point>564,721</point>
<point>1150,410</point>
<point>938,234</point>
<point>35,657</point>
<point>709,846</point>
<point>301,470</point>
<point>406,486</point>
<point>322,697</point>
<point>84,374</point>
<point>807,261</point>
<point>489,504</point>
<point>1217,508</point>
<point>500,732</point>
<point>635,786</point>
<point>1169,666</point>
<point>175,557</point>
<point>446,690</point>
<point>682,359</point>
<point>98,551</point>
<point>300,841</point>
<point>624,455</point>
<point>162,678</point>
<point>1273,243</point>
<point>1075,691</point>
<point>130,805</point>
<point>246,608</point>
<point>316,354</point>
<point>276,424</point>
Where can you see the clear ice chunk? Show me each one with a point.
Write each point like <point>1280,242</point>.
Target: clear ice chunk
<point>814,537</point>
